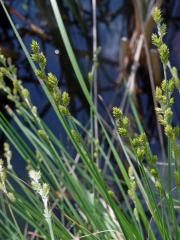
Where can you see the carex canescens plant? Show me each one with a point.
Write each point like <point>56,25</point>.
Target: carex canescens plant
<point>146,161</point>
<point>68,196</point>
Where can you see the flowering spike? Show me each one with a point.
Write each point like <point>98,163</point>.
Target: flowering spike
<point>157,16</point>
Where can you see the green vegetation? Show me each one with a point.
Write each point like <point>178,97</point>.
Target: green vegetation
<point>68,196</point>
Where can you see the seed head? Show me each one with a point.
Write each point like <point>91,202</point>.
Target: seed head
<point>64,110</point>
<point>164,53</point>
<point>122,132</point>
<point>158,94</point>
<point>76,136</point>
<point>25,93</point>
<point>65,99</point>
<point>156,40</point>
<point>35,47</point>
<point>125,122</point>
<point>52,81</point>
<point>154,172</point>
<point>159,186</point>
<point>42,134</point>
<point>157,16</point>
<point>169,130</point>
<point>35,175</point>
<point>117,113</point>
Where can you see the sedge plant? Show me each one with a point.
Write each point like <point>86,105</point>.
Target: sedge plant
<point>68,196</point>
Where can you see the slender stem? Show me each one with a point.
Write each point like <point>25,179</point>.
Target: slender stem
<point>96,132</point>
<point>15,222</point>
<point>50,228</point>
<point>47,215</point>
<point>170,160</point>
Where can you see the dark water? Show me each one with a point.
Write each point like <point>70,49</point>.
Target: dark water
<point>110,32</point>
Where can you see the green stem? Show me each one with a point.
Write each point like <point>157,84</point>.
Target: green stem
<point>50,228</point>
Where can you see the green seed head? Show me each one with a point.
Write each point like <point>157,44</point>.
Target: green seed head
<point>25,93</point>
<point>122,132</point>
<point>117,113</point>
<point>34,110</point>
<point>157,16</point>
<point>76,136</point>
<point>163,30</point>
<point>169,130</point>
<point>56,96</point>
<point>42,134</point>
<point>45,190</point>
<point>176,132</point>
<point>42,60</point>
<point>35,47</point>
<point>65,99</point>
<point>143,138</point>
<point>164,99</point>
<point>140,153</point>
<point>135,142</point>
<point>164,53</point>
<point>154,159</point>
<point>159,186</point>
<point>168,115</point>
<point>171,85</point>
<point>158,94</point>
<point>52,81</point>
<point>133,185</point>
<point>131,173</point>
<point>154,172</point>
<point>125,122</point>
<point>64,110</point>
<point>164,85</point>
<point>156,40</point>
<point>40,74</point>
<point>171,101</point>
<point>90,77</point>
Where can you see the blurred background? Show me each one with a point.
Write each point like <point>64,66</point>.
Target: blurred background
<point>123,58</point>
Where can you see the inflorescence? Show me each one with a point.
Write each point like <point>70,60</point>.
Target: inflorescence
<point>164,93</point>
<point>61,100</point>
<point>42,189</point>
<point>5,165</point>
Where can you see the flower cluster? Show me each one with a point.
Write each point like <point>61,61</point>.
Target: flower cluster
<point>19,95</point>
<point>141,147</point>
<point>76,136</point>
<point>132,190</point>
<point>141,150</point>
<point>43,135</point>
<point>61,100</point>
<point>8,70</point>
<point>121,122</point>
<point>157,15</point>
<point>133,186</point>
<point>164,94</point>
<point>42,189</point>
<point>7,155</point>
<point>164,112</point>
<point>139,143</point>
<point>3,172</point>
<point>157,39</point>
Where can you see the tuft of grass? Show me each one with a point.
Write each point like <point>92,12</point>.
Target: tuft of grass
<point>69,195</point>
